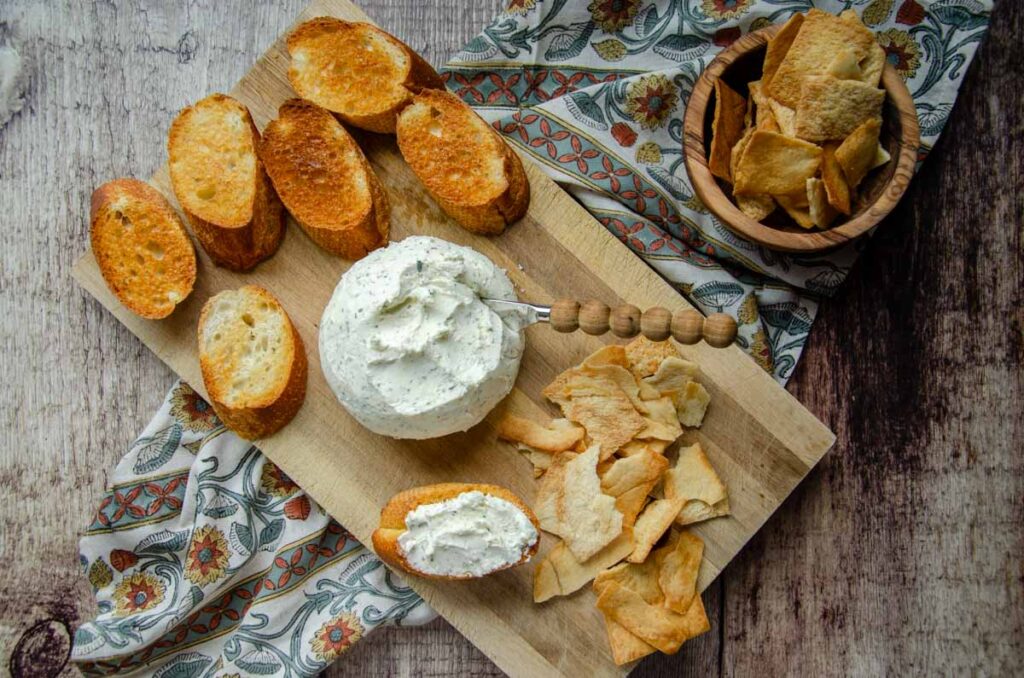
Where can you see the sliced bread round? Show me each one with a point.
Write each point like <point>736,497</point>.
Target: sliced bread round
<point>465,165</point>
<point>141,247</point>
<point>253,361</point>
<point>221,185</point>
<point>356,70</point>
<point>325,181</point>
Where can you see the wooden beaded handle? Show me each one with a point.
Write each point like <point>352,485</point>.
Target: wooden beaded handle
<point>657,324</point>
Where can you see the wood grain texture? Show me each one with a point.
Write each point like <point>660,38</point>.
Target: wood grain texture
<point>740,64</point>
<point>900,554</point>
<point>761,441</point>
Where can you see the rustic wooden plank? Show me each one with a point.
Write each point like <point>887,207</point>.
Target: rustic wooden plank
<point>901,554</point>
<point>60,438</point>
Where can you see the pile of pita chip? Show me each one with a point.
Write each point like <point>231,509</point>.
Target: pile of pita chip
<point>808,133</point>
<point>614,499</point>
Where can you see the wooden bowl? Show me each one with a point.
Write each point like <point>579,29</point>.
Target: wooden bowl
<point>877,194</point>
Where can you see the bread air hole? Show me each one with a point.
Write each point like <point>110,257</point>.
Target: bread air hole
<point>206,192</point>
<point>155,250</point>
<point>434,128</point>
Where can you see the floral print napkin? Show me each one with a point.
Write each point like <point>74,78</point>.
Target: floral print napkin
<point>207,560</point>
<point>595,93</point>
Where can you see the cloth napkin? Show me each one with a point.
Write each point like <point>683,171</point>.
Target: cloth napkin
<point>595,92</point>
<point>207,560</point>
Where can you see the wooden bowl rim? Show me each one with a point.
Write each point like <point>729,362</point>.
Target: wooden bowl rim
<point>730,215</point>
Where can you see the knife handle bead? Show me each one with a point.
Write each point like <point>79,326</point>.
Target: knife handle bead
<point>625,321</point>
<point>565,315</point>
<point>594,317</point>
<point>687,326</point>
<point>719,330</point>
<point>656,323</point>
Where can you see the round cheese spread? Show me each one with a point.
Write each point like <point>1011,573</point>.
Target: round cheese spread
<point>409,348</point>
<point>472,534</point>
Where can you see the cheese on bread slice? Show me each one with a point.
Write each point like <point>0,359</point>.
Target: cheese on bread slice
<point>141,247</point>
<point>393,523</point>
<point>469,169</point>
<point>253,361</point>
<point>220,182</point>
<point>356,70</point>
<point>324,180</point>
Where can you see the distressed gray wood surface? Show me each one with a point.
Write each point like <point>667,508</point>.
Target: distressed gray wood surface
<point>900,554</point>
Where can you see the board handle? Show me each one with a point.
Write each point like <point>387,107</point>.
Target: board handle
<point>687,326</point>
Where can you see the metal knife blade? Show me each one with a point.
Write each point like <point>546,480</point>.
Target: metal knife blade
<point>527,314</point>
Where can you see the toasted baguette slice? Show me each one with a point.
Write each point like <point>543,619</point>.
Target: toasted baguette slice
<point>324,180</point>
<point>392,522</point>
<point>253,361</point>
<point>221,185</point>
<point>356,70</point>
<point>468,168</point>
<point>141,246</point>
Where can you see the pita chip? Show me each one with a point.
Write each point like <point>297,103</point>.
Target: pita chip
<point>678,568</point>
<point>779,45</point>
<point>558,436</point>
<point>836,188</point>
<point>822,213</point>
<point>656,519</point>
<point>645,356</point>
<point>560,573</point>
<point>726,128</point>
<point>819,38</point>
<point>586,517</point>
<point>694,480</point>
<point>776,164</point>
<point>830,108</point>
<point>857,153</point>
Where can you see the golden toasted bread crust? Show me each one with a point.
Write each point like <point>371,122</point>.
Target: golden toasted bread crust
<point>392,521</point>
<point>142,248</point>
<point>464,163</point>
<point>269,415</point>
<point>249,234</point>
<point>324,180</point>
<point>383,86</point>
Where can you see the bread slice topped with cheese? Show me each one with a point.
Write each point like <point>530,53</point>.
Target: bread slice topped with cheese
<point>456,531</point>
<point>142,248</point>
<point>356,70</point>
<point>324,180</point>
<point>221,185</point>
<point>465,165</point>
<point>253,361</point>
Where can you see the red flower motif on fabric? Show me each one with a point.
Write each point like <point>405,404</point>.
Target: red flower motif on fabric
<point>503,88</point>
<point>163,495</point>
<point>290,568</point>
<point>910,13</point>
<point>336,636</point>
<point>579,156</point>
<point>207,557</point>
<point>518,125</point>
<point>548,138</point>
<point>468,88</point>
<point>624,134</point>
<point>611,174</point>
<point>297,508</point>
<point>533,82</point>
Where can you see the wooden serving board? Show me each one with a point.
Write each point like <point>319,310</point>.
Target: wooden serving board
<point>761,440</point>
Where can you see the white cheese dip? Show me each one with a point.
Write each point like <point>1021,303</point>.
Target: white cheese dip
<point>409,348</point>
<point>472,534</point>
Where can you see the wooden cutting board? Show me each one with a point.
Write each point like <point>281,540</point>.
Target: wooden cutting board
<point>761,440</point>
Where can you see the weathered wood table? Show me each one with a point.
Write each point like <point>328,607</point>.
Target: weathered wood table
<point>901,553</point>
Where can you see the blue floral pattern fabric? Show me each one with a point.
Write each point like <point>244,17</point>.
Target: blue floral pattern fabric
<point>207,560</point>
<point>595,92</point>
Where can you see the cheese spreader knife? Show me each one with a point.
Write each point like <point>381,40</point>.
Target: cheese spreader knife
<point>687,326</point>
